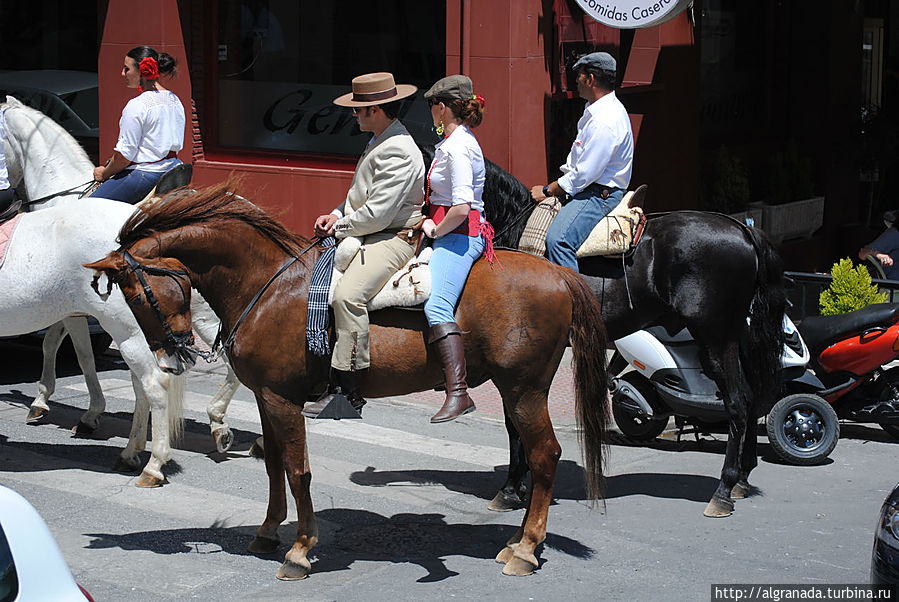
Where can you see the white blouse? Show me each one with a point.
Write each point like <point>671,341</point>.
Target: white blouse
<point>151,126</point>
<point>457,172</point>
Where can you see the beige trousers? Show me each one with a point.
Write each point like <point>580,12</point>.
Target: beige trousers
<point>381,256</point>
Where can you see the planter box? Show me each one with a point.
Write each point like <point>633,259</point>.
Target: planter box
<point>798,219</point>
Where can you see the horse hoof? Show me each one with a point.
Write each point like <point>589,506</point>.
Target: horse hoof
<point>291,571</point>
<point>36,415</point>
<point>257,450</point>
<point>520,565</point>
<point>148,481</point>
<point>719,508</point>
<point>224,439</point>
<point>505,555</point>
<point>264,545</point>
<point>122,465</point>
<point>82,429</point>
<point>741,490</point>
<point>503,502</point>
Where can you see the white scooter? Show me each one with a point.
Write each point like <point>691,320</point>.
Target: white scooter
<point>666,379</point>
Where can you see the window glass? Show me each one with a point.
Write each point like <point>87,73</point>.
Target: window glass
<point>9,581</point>
<point>281,63</point>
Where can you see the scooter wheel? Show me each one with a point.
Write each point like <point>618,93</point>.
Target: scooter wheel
<point>634,427</point>
<point>803,429</point>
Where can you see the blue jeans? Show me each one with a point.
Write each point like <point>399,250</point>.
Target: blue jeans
<point>450,264</point>
<point>130,186</point>
<point>575,221</point>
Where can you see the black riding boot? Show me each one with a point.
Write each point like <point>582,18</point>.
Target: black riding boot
<point>447,338</point>
<point>340,382</point>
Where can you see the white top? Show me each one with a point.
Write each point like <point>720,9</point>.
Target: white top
<point>603,151</point>
<point>457,172</point>
<point>151,126</point>
<point>4,175</point>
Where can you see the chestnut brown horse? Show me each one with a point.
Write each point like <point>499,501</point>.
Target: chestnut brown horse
<point>517,321</point>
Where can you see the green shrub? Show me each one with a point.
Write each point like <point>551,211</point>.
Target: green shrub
<point>851,289</point>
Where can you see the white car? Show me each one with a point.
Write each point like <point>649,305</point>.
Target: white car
<point>32,568</point>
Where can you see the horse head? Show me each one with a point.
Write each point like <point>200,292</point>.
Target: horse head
<point>157,290</point>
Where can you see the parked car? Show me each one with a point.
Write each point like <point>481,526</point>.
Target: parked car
<point>885,556</point>
<point>32,568</point>
<point>68,97</point>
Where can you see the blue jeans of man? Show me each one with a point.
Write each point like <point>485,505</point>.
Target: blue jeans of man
<point>130,186</point>
<point>575,221</point>
<point>454,254</point>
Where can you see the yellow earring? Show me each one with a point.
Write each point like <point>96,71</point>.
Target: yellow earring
<point>440,130</point>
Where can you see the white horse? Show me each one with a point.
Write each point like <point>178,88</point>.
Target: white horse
<point>54,168</point>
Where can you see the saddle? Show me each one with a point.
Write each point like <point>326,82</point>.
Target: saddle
<point>177,177</point>
<point>615,235</point>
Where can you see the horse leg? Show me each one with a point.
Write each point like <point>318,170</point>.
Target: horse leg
<point>749,452</point>
<point>266,540</point>
<point>512,494</point>
<point>40,406</point>
<point>129,459</point>
<point>543,453</point>
<point>723,365</point>
<point>206,324</point>
<point>81,341</point>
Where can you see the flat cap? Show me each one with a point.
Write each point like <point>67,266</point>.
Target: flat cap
<point>601,61</point>
<point>452,87</point>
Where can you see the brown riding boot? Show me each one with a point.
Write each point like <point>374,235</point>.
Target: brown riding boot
<point>447,337</point>
<point>339,382</point>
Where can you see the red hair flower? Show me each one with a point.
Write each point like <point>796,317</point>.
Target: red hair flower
<point>481,101</point>
<point>149,68</point>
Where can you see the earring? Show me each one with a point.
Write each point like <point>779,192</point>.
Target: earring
<point>440,131</point>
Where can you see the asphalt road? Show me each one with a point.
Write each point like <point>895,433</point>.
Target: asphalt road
<point>401,506</point>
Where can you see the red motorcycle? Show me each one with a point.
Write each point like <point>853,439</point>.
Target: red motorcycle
<point>849,355</point>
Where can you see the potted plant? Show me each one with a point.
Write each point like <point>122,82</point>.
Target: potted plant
<point>850,289</point>
<point>791,209</point>
<point>725,186</point>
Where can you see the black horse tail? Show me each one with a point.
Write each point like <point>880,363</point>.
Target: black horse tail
<point>764,340</point>
<point>588,345</point>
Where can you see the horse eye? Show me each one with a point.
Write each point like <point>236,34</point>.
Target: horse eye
<point>137,299</point>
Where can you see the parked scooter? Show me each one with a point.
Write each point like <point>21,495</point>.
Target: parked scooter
<point>847,353</point>
<point>667,380</point>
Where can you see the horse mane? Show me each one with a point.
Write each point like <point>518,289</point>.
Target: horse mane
<point>505,199</point>
<point>50,131</point>
<point>214,206</point>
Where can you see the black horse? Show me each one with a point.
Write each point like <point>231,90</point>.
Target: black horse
<point>703,271</point>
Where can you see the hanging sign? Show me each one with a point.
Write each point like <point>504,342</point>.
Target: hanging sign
<point>633,14</point>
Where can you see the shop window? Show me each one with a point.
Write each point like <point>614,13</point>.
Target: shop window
<point>280,64</point>
<point>872,60</point>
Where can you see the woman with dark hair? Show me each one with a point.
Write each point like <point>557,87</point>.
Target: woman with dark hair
<point>885,248</point>
<point>455,221</point>
<point>151,130</point>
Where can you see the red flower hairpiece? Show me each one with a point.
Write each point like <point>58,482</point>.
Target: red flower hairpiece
<point>481,101</point>
<point>149,68</point>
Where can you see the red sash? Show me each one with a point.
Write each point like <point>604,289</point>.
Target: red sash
<point>470,227</point>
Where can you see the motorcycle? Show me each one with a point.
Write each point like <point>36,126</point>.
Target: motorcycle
<point>832,369</point>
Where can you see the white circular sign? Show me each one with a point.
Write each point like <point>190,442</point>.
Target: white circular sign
<point>633,14</point>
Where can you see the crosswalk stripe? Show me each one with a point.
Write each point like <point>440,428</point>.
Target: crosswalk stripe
<point>352,430</point>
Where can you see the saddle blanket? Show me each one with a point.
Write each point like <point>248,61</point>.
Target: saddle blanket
<point>409,287</point>
<point>6,231</point>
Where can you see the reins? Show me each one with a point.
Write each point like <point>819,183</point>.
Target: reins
<point>83,189</point>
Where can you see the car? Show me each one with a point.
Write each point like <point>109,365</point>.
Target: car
<point>885,556</point>
<point>32,567</point>
<point>68,97</point>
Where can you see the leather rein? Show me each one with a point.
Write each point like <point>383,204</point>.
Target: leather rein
<point>182,346</point>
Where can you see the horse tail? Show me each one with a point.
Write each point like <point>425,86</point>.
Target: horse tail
<point>588,345</point>
<point>764,340</point>
<point>175,408</point>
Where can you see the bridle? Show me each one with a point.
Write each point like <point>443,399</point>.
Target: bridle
<point>181,346</point>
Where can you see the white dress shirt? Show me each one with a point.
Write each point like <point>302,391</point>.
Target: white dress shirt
<point>151,126</point>
<point>603,151</point>
<point>457,173</point>
<point>4,175</point>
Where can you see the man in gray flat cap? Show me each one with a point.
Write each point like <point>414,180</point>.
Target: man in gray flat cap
<point>598,169</point>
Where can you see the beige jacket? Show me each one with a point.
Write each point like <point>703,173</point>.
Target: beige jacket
<point>388,186</point>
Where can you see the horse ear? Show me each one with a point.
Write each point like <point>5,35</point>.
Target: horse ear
<point>111,263</point>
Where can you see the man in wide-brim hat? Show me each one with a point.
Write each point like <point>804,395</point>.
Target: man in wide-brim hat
<point>381,207</point>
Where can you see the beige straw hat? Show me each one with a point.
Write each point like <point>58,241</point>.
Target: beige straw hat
<point>374,89</point>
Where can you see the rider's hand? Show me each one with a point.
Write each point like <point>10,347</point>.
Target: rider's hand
<point>99,173</point>
<point>537,193</point>
<point>884,259</point>
<point>324,225</point>
<point>429,228</point>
